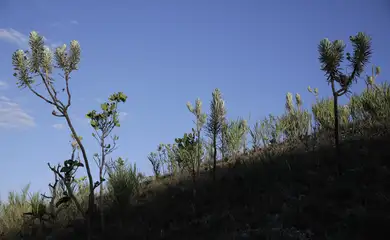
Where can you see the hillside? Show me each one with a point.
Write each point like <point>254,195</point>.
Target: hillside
<point>317,173</point>
<point>301,191</point>
<point>314,195</point>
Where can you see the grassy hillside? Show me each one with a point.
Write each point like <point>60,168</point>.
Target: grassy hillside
<point>289,180</point>
<point>315,195</point>
<point>305,195</point>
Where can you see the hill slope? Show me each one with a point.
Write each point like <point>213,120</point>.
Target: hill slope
<point>317,193</point>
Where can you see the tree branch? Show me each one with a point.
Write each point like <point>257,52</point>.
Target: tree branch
<point>67,90</point>
<point>39,95</point>
<point>68,188</point>
<point>54,113</point>
<point>60,106</point>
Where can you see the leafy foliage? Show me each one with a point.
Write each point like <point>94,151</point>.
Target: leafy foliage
<point>271,130</point>
<point>296,122</point>
<point>187,152</point>
<point>323,112</point>
<point>235,137</point>
<point>123,182</point>
<point>372,106</point>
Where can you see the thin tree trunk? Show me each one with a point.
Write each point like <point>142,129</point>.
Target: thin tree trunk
<point>198,157</point>
<point>91,198</point>
<point>215,155</point>
<point>193,172</point>
<point>336,123</point>
<point>223,143</point>
<point>101,168</point>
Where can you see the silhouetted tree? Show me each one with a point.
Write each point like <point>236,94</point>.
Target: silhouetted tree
<point>186,152</point>
<point>200,121</point>
<point>103,124</point>
<point>331,57</point>
<point>214,122</point>
<point>155,161</point>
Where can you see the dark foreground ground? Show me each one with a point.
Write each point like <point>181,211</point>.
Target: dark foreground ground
<point>314,195</point>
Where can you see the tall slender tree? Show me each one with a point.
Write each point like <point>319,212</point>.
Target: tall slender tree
<point>331,57</point>
<point>200,121</point>
<point>103,124</point>
<point>37,62</point>
<point>214,123</point>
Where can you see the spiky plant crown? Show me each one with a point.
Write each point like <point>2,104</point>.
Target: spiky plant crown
<point>332,55</point>
<point>217,113</point>
<point>197,111</point>
<point>298,100</point>
<point>38,60</point>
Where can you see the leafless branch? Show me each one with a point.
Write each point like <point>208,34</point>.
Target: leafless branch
<point>67,77</point>
<point>39,95</point>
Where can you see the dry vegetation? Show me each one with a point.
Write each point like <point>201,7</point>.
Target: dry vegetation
<point>290,184</point>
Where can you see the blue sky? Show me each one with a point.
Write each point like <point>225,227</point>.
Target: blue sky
<point>163,54</point>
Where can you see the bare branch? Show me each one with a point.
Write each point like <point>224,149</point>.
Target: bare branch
<point>67,90</point>
<point>44,196</point>
<point>97,159</point>
<point>54,113</point>
<point>68,188</point>
<point>60,106</point>
<point>39,95</point>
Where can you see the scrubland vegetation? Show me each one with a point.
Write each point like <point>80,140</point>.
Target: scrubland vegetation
<point>319,173</point>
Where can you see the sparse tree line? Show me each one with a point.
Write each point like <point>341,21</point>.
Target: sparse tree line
<point>227,139</point>
<point>213,137</point>
<point>296,125</point>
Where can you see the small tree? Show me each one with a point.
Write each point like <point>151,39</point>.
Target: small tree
<point>155,161</point>
<point>214,123</point>
<point>187,152</point>
<point>165,162</point>
<point>200,121</point>
<point>103,124</point>
<point>169,155</point>
<point>165,155</point>
<point>331,57</point>
<point>66,177</point>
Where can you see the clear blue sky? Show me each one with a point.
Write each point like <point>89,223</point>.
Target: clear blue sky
<point>163,54</point>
